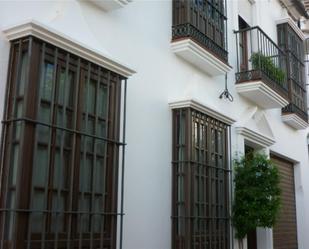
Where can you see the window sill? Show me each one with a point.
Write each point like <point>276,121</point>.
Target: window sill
<point>256,137</point>
<point>261,94</point>
<point>294,121</point>
<point>193,53</point>
<point>109,5</point>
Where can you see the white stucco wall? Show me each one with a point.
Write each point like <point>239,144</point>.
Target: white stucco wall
<point>139,35</point>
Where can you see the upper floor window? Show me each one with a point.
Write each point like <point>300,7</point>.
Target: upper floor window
<point>293,45</point>
<point>59,151</point>
<point>201,176</point>
<point>203,21</point>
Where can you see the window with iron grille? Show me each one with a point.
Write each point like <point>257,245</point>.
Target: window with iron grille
<point>204,21</point>
<point>201,178</point>
<point>293,45</point>
<point>59,154</point>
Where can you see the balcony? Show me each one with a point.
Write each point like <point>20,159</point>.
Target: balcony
<point>199,34</point>
<point>295,117</point>
<point>295,114</point>
<point>291,40</point>
<point>261,73</point>
<point>109,5</point>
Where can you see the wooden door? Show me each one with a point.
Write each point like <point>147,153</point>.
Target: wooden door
<point>285,230</point>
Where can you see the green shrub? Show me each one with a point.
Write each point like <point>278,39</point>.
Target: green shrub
<point>265,64</point>
<point>257,194</point>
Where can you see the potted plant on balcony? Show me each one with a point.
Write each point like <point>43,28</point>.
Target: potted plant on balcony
<point>257,194</point>
<point>267,65</point>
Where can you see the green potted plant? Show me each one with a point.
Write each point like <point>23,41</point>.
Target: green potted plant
<point>257,194</point>
<point>266,64</point>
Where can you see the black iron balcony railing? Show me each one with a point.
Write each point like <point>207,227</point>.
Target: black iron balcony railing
<point>203,21</point>
<point>259,58</point>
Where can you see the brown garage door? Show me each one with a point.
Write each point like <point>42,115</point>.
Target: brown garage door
<point>285,231</point>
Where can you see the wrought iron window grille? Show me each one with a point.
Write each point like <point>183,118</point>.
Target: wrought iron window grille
<point>201,181</point>
<point>59,151</point>
<point>204,21</point>
<point>295,49</point>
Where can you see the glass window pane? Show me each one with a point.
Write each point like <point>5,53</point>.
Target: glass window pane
<point>47,81</point>
<point>70,89</point>
<point>37,217</point>
<point>44,113</point>
<point>102,101</point>
<point>61,88</point>
<point>84,206</point>
<point>92,96</point>
<point>14,165</point>
<point>19,108</point>
<point>66,88</point>
<point>58,218</point>
<point>86,174</point>
<point>101,132</point>
<point>43,134</point>
<point>98,206</point>
<point>23,73</point>
<point>100,180</point>
<point>10,215</point>
<point>89,144</point>
<point>58,171</point>
<point>40,167</point>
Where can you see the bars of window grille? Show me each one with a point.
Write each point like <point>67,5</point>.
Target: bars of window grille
<point>62,132</point>
<point>35,149</point>
<point>6,130</point>
<point>201,178</point>
<point>123,164</point>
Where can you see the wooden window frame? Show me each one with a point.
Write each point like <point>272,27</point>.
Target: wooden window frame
<point>38,52</point>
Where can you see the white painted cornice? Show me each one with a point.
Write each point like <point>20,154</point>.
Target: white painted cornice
<point>289,20</point>
<point>109,5</point>
<point>43,32</point>
<point>255,137</point>
<point>294,121</point>
<point>255,127</point>
<point>261,94</point>
<point>257,120</point>
<point>202,108</point>
<point>199,57</point>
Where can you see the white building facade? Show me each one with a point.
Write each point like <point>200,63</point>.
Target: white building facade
<point>160,93</point>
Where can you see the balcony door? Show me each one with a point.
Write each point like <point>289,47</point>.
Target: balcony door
<point>243,45</point>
